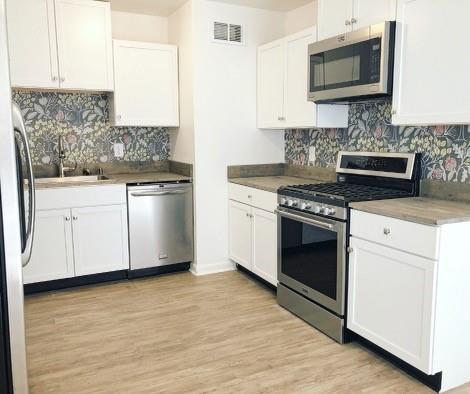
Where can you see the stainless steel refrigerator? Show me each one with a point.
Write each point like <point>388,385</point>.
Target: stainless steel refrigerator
<point>17,212</point>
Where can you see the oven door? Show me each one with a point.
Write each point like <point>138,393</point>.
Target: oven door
<point>312,257</point>
<point>351,65</point>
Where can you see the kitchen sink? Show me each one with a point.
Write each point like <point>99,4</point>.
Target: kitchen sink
<point>68,179</point>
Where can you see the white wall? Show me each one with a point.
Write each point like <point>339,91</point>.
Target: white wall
<point>180,26</point>
<point>139,27</point>
<point>225,119</point>
<point>301,18</point>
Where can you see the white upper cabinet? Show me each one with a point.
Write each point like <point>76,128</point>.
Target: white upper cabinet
<point>342,16</point>
<point>432,63</point>
<point>370,12</point>
<point>32,43</point>
<point>271,84</point>
<point>146,84</point>
<point>60,44</point>
<point>84,44</point>
<point>282,87</point>
<point>334,17</point>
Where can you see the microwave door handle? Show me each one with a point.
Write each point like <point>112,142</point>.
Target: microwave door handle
<point>19,127</point>
<point>313,222</point>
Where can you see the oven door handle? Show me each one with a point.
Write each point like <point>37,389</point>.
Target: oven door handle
<point>313,222</point>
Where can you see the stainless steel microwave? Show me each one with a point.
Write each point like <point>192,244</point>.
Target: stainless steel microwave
<point>353,66</point>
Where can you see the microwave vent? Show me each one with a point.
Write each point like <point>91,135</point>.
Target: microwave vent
<point>227,33</point>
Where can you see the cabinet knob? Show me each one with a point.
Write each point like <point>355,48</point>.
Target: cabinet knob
<point>54,79</point>
<point>250,196</point>
<point>349,249</point>
<point>75,218</point>
<point>281,118</point>
<point>347,22</point>
<point>387,231</point>
<point>353,21</point>
<point>62,79</point>
<point>394,112</point>
<point>118,117</point>
<point>67,218</point>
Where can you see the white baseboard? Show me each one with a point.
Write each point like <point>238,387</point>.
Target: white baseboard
<point>207,269</point>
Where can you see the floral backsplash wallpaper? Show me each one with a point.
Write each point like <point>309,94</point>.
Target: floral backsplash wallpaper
<point>83,120</point>
<point>446,149</point>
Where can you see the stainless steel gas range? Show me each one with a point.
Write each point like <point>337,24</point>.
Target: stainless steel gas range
<point>313,232</point>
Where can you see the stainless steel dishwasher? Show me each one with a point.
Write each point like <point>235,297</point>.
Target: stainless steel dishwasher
<point>160,227</point>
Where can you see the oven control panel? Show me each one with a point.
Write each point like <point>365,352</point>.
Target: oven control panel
<point>313,207</point>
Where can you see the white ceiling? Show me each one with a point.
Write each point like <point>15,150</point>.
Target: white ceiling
<point>166,7</point>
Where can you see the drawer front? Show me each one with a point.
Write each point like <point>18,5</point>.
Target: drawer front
<point>255,197</point>
<point>80,196</point>
<point>410,237</point>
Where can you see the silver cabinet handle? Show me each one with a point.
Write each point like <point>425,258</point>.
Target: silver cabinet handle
<point>347,22</point>
<point>387,231</point>
<point>154,194</point>
<point>353,21</point>
<point>313,222</point>
<point>20,130</point>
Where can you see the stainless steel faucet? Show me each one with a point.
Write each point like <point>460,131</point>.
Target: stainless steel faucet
<point>62,168</point>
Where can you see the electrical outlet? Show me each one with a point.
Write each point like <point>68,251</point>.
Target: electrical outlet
<point>118,150</point>
<point>312,155</point>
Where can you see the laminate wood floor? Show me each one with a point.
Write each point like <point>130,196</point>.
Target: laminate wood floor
<point>185,334</point>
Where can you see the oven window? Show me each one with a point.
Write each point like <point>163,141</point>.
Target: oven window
<point>351,65</point>
<point>309,256</point>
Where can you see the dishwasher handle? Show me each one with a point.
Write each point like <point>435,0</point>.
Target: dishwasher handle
<point>155,193</point>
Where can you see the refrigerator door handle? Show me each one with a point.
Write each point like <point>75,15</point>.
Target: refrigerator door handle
<point>19,127</point>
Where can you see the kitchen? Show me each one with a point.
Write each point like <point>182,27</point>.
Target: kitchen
<point>204,177</point>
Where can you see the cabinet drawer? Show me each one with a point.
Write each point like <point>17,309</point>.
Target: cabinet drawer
<point>410,237</point>
<point>80,196</point>
<point>254,197</point>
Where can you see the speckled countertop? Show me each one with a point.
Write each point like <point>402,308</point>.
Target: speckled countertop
<point>150,177</point>
<point>421,210</point>
<point>272,183</point>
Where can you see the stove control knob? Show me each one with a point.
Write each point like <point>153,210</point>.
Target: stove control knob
<point>292,203</point>
<point>321,209</point>
<point>305,206</point>
<point>330,211</point>
<point>317,209</point>
<point>283,201</point>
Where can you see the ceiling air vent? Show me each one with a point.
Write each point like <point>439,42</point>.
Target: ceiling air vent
<point>227,33</point>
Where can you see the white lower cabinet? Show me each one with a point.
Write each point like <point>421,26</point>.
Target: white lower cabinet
<point>73,240</point>
<point>100,239</point>
<point>52,256</point>
<point>253,232</point>
<point>392,300</point>
<point>240,234</point>
<point>408,292</point>
<point>265,245</point>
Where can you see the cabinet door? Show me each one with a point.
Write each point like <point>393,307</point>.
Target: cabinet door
<point>265,245</point>
<point>369,12</point>
<point>52,256</point>
<point>32,43</point>
<point>150,98</point>
<point>271,85</point>
<point>391,301</point>
<point>299,112</point>
<point>334,17</point>
<point>240,238</point>
<point>84,44</point>
<point>100,239</point>
<point>431,82</point>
